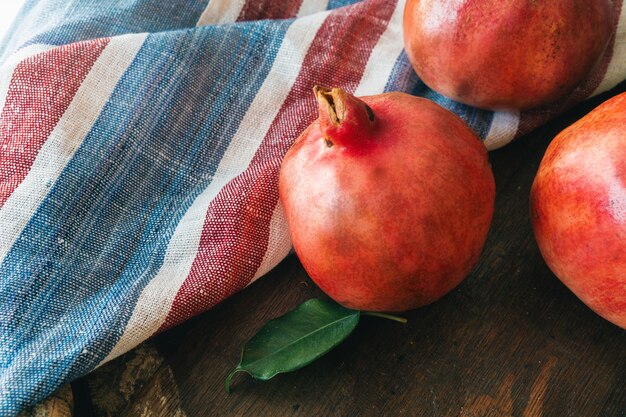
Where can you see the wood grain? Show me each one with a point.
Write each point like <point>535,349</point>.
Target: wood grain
<point>59,404</point>
<point>511,340</point>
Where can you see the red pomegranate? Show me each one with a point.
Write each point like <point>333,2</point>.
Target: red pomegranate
<point>514,54</point>
<point>578,207</point>
<point>388,198</point>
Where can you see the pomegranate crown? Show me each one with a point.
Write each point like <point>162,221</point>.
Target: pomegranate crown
<point>343,118</point>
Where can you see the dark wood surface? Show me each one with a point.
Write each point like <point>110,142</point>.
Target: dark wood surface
<point>511,340</point>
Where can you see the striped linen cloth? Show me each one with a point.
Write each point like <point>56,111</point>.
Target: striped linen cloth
<point>140,143</point>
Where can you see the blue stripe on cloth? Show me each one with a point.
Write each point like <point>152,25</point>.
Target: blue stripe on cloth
<point>404,78</point>
<point>59,22</point>
<point>69,284</point>
<point>334,4</point>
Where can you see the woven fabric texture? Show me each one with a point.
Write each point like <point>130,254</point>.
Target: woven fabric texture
<point>140,143</point>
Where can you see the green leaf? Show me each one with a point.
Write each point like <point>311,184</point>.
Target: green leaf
<point>295,339</point>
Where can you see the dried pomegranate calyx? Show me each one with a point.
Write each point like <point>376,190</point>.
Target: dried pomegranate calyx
<point>343,118</point>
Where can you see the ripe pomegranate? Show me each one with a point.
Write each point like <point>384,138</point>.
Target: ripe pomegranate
<point>578,207</point>
<point>514,54</point>
<point>388,198</point>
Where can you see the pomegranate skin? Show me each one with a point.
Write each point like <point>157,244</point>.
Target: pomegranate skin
<point>387,215</point>
<point>578,209</point>
<point>512,55</point>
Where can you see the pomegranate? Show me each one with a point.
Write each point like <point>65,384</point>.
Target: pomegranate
<point>515,54</point>
<point>388,198</point>
<point>578,207</point>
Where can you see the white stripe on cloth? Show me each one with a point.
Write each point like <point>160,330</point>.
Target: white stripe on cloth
<point>617,67</point>
<point>502,130</point>
<point>373,81</point>
<point>384,56</point>
<point>66,137</point>
<point>8,67</point>
<point>156,299</point>
<point>221,11</point>
<point>312,6</point>
<point>278,243</point>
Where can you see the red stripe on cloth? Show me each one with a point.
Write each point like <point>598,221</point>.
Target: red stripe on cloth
<point>269,9</point>
<point>41,89</point>
<point>532,119</point>
<point>236,230</point>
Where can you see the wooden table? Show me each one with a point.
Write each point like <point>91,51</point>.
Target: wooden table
<point>510,340</point>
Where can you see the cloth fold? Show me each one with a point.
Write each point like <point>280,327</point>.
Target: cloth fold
<point>140,144</point>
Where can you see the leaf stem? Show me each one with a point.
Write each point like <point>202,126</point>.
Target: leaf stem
<point>385,316</point>
<point>230,377</point>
